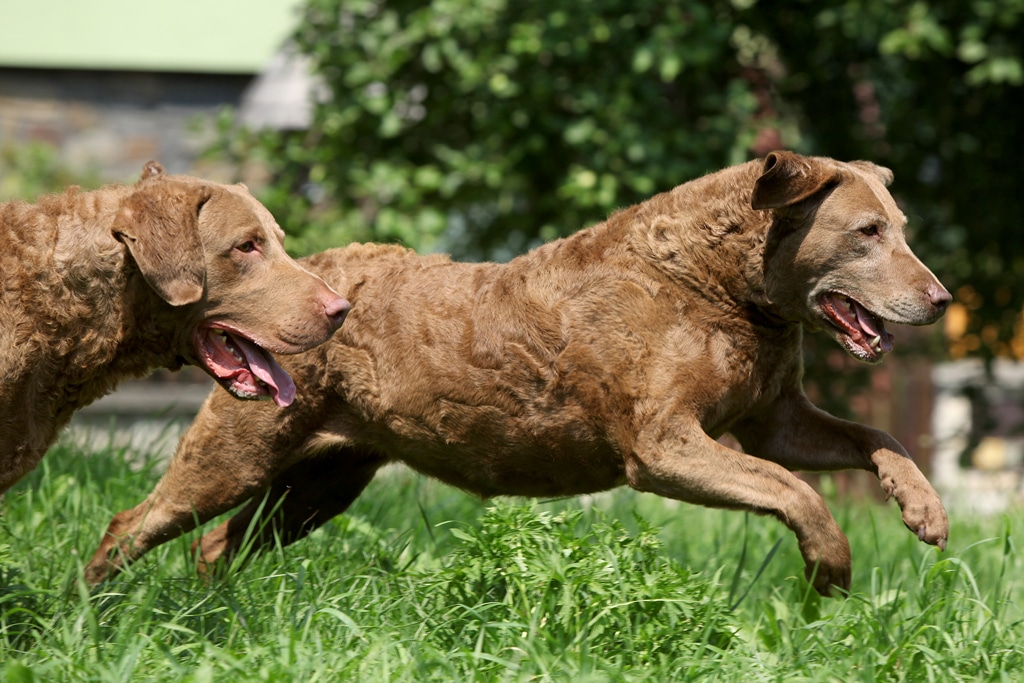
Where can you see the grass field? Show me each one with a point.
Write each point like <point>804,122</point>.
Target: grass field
<point>423,583</point>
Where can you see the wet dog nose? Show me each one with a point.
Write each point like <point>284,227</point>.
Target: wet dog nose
<point>336,310</point>
<point>938,296</point>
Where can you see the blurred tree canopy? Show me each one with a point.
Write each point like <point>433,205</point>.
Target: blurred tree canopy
<point>484,127</point>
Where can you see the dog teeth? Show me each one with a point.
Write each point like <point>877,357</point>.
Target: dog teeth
<point>846,303</point>
<point>876,343</point>
<point>251,395</point>
<point>242,393</point>
<point>230,347</point>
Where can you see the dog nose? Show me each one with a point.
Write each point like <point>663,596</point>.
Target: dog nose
<point>336,310</point>
<point>938,296</point>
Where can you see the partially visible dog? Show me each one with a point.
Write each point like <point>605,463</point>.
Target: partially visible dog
<point>105,285</point>
<point>615,356</point>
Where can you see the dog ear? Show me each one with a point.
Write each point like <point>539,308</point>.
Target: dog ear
<point>152,169</point>
<point>159,223</point>
<point>880,172</point>
<point>788,178</point>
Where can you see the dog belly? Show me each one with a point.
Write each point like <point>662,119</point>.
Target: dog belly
<point>516,470</point>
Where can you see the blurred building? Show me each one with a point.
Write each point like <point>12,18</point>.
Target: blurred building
<point>113,83</point>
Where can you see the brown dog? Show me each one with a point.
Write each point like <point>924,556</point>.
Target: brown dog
<point>615,356</point>
<point>100,286</point>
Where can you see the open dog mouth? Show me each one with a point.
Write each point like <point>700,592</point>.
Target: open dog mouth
<point>241,366</point>
<point>859,330</point>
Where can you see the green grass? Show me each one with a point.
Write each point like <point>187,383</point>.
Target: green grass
<point>420,582</point>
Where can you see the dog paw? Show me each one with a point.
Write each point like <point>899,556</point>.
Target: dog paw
<point>923,512</point>
<point>827,561</point>
<point>107,561</point>
<point>95,573</point>
<point>824,578</point>
<point>927,519</point>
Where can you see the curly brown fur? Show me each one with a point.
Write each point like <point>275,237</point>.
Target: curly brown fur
<point>613,357</point>
<point>105,285</point>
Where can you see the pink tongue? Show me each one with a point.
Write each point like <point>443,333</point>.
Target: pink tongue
<point>267,369</point>
<point>866,320</point>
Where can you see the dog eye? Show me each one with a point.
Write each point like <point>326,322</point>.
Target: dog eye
<point>870,230</point>
<point>246,247</point>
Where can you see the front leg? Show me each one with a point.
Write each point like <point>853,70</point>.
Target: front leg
<point>799,436</point>
<point>686,464</point>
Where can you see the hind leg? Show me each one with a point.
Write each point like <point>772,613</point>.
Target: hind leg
<point>299,500</point>
<point>230,453</point>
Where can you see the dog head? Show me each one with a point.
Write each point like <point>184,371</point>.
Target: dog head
<point>216,256</point>
<point>836,256</point>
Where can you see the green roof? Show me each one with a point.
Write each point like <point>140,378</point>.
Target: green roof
<point>217,36</point>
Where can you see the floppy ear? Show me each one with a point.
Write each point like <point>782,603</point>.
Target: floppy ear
<point>159,223</point>
<point>788,178</point>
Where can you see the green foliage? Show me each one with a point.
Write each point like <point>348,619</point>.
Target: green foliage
<point>625,588</point>
<point>482,128</point>
<point>33,169</point>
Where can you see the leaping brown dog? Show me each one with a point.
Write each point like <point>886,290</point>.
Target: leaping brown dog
<point>105,285</point>
<point>615,356</point>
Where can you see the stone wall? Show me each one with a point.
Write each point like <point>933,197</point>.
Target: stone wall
<point>110,123</point>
